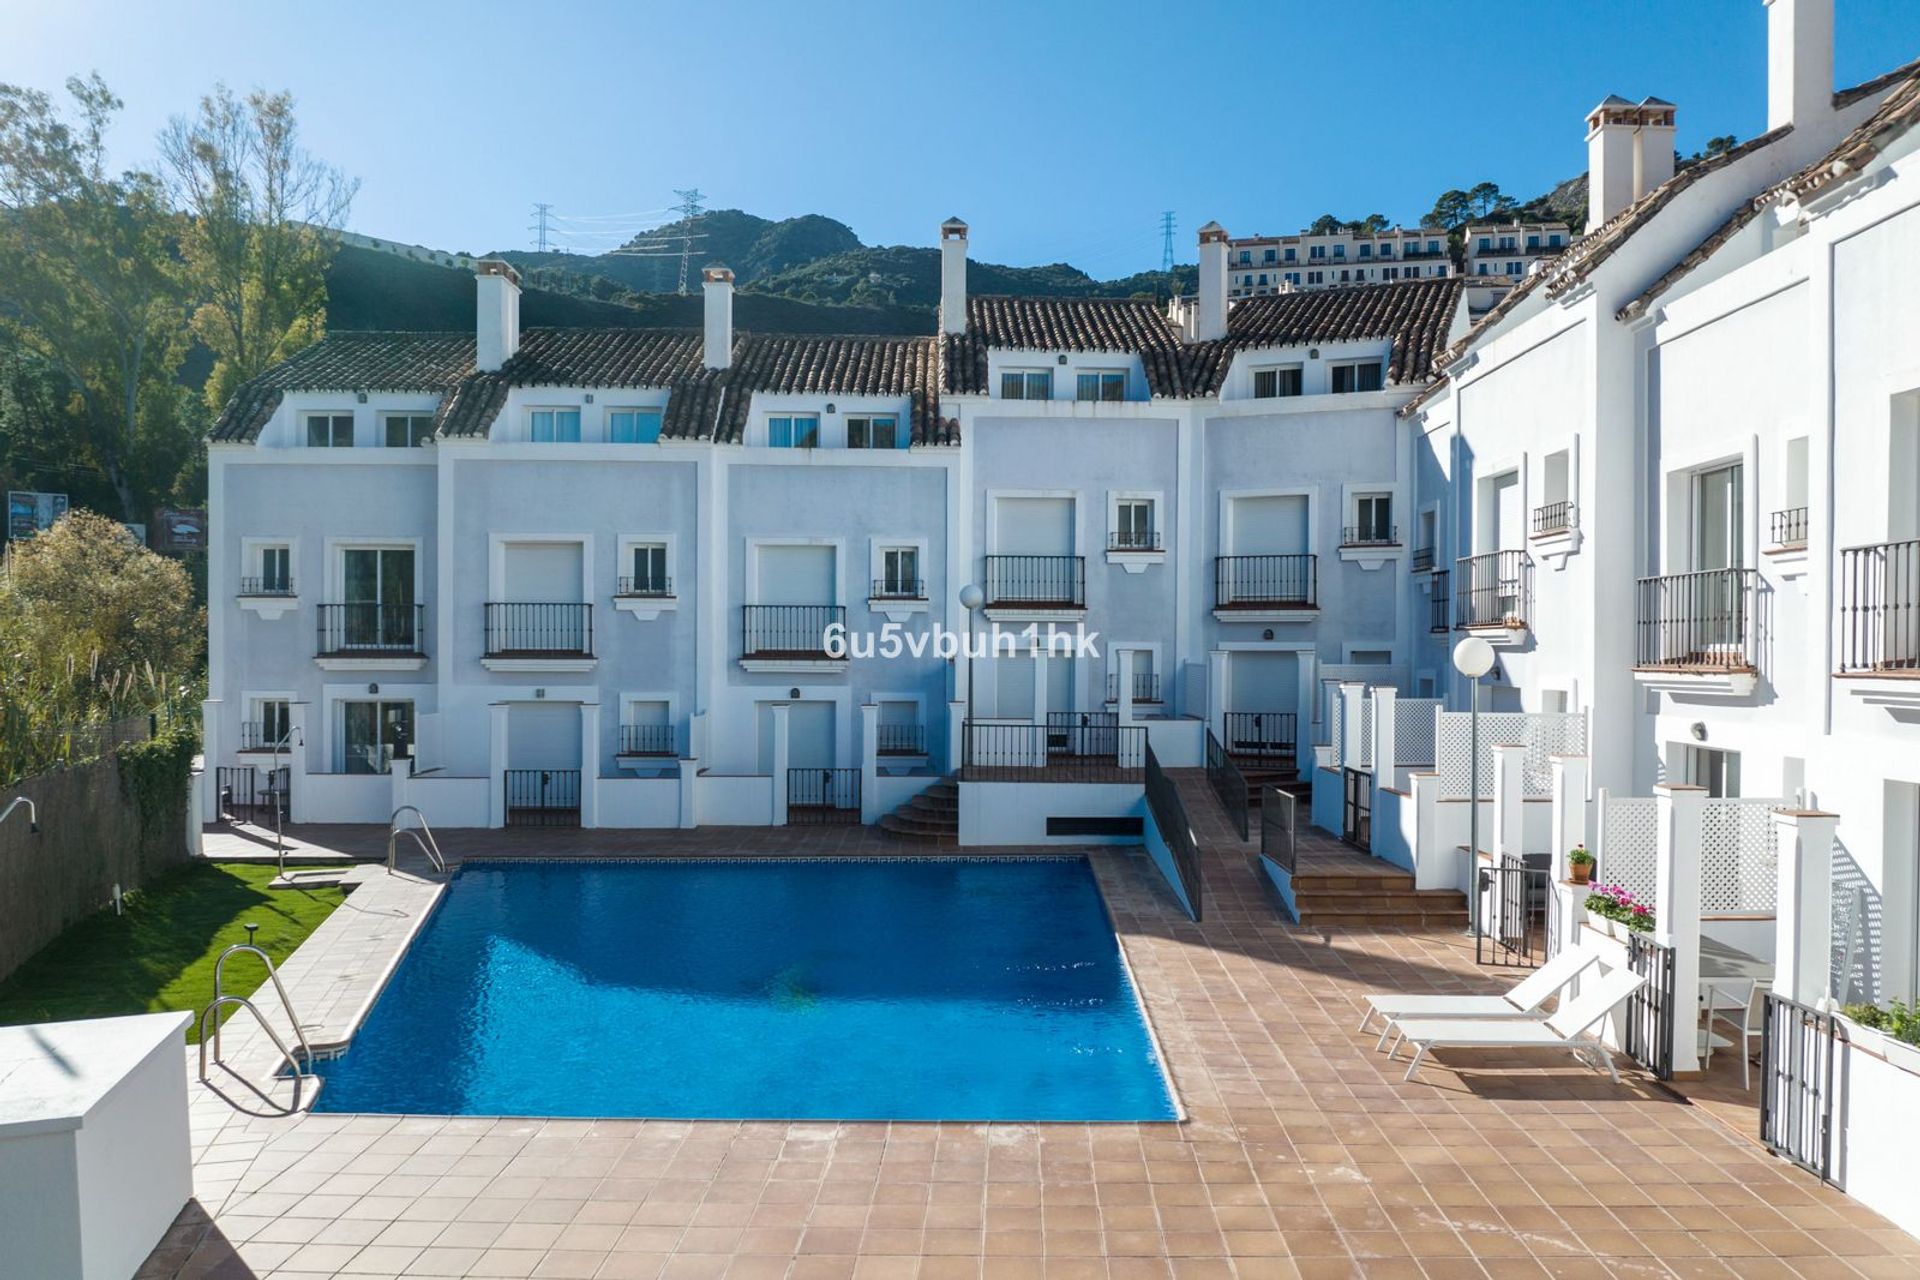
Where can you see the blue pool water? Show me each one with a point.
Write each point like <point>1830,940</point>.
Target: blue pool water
<point>909,990</point>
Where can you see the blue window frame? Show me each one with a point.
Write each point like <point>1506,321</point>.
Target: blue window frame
<point>633,426</point>
<point>554,426</point>
<point>794,431</point>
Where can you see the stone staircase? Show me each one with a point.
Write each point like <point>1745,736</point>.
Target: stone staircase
<point>932,817</point>
<point>1330,895</point>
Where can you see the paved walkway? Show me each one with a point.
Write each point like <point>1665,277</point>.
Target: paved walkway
<point>1303,1154</point>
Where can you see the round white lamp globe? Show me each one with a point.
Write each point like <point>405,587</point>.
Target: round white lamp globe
<point>1473,657</point>
<point>972,597</point>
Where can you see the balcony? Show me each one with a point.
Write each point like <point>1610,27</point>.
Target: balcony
<point>1555,518</point>
<point>1069,747</point>
<point>1370,535</point>
<point>1437,607</point>
<point>1135,549</point>
<point>257,735</point>
<point>1423,559</point>
<point>390,636</point>
<point>1880,616</point>
<point>647,740</point>
<point>1789,529</point>
<point>1018,586</point>
<point>786,637</point>
<point>538,636</point>
<point>898,589</point>
<point>1697,631</point>
<point>645,598</point>
<point>1493,596</point>
<point>1146,687</point>
<point>273,588</point>
<point>900,739</point>
<point>1418,255</point>
<point>1276,588</point>
<point>268,597</point>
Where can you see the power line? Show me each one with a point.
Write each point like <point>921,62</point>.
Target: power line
<point>1166,241</point>
<point>689,209</point>
<point>542,219</point>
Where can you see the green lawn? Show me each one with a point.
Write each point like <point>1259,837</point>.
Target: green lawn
<point>159,955</point>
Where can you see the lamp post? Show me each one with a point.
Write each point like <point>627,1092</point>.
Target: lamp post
<point>971,598</point>
<point>1473,658</point>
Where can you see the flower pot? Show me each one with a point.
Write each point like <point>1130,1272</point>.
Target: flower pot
<point>1582,872</point>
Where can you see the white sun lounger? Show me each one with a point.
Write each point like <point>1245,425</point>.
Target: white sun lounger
<point>1567,1030</point>
<point>1521,1001</point>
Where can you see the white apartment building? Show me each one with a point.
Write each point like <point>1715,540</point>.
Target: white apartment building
<point>1677,478</point>
<point>584,575</point>
<point>1507,251</point>
<point>1259,265</point>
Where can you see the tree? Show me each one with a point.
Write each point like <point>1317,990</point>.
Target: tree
<point>1372,224</point>
<point>1326,225</point>
<point>1452,209</point>
<point>262,220</point>
<point>1484,196</point>
<point>87,278</point>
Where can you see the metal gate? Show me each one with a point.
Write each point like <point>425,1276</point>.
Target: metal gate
<point>1651,1010</point>
<point>247,797</point>
<point>1516,921</point>
<point>820,797</point>
<point>1356,815</point>
<point>1796,1084</point>
<point>542,797</point>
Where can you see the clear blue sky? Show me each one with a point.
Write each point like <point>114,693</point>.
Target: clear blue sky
<point>1059,130</point>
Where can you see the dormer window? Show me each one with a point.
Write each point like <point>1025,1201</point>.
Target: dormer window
<point>554,426</point>
<point>330,431</point>
<point>633,426</point>
<point>1356,377</point>
<point>794,431</point>
<point>1281,380</point>
<point>1100,384</point>
<point>1026,384</point>
<point>873,433</point>
<point>407,430</point>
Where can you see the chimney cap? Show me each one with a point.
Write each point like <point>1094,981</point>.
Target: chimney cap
<point>497,267</point>
<point>1212,231</point>
<point>955,226</point>
<point>717,274</point>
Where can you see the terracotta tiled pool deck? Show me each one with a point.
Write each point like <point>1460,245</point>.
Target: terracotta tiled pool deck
<point>1303,1154</point>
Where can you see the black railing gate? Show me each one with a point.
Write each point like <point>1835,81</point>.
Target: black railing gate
<point>1356,814</point>
<point>542,797</point>
<point>1651,1010</point>
<point>1515,922</point>
<point>1797,1053</point>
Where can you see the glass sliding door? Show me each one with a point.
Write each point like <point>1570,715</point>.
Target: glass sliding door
<point>373,734</point>
<point>377,584</point>
<point>1719,606</point>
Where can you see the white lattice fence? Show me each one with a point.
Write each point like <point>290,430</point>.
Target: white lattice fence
<point>1544,734</point>
<point>1366,730</point>
<point>1629,845</point>
<point>1739,860</point>
<point>1413,730</point>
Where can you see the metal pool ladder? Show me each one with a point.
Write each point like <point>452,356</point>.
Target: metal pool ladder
<point>428,846</point>
<point>221,998</point>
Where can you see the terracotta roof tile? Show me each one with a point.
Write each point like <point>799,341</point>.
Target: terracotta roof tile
<point>350,361</point>
<point>1416,315</point>
<point>1064,324</point>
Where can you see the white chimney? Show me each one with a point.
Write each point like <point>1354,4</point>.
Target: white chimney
<point>1210,318</point>
<point>1629,153</point>
<point>1799,61</point>
<point>953,276</point>
<point>496,330</point>
<point>717,346</point>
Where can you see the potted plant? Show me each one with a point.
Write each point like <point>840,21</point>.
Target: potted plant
<point>1580,864</point>
<point>1614,904</point>
<point>1898,1025</point>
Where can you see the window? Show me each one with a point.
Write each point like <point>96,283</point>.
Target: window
<point>1343,277</point>
<point>1533,242</point>
<point>330,431</point>
<point>554,426</point>
<point>1317,251</point>
<point>1513,268</point>
<point>1366,251</point>
<point>872,433</point>
<point>1246,256</point>
<point>1386,250</point>
<point>900,575</point>
<point>1269,384</point>
<point>375,733</point>
<point>1483,268</point>
<point>1372,520</point>
<point>794,431</point>
<point>407,430</point>
<point>633,426</point>
<point>276,572</point>
<point>1026,384</point>
<point>1133,525</point>
<point>1433,246</point>
<point>276,722</point>
<point>1553,241</point>
<point>1339,251</point>
<point>1291,257</point>
<point>649,564</point>
<point>1100,384</point>
<point>1485,244</point>
<point>1267,256</point>
<point>1356,377</point>
<point>1263,277</point>
<point>1315,277</point>
<point>1390,273</point>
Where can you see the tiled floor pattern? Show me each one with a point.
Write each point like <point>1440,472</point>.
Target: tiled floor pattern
<point>1303,1154</point>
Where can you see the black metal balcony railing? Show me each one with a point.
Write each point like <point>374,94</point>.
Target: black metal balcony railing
<point>646,740</point>
<point>1493,590</point>
<point>1134,540</point>
<point>1264,736</point>
<point>528,629</point>
<point>1417,255</point>
<point>901,739</point>
<point>1146,686</point>
<point>372,630</point>
<point>1422,559</point>
<point>1555,517</point>
<point>541,797</point>
<point>822,797</point>
<point>266,586</point>
<point>1265,582</point>
<point>788,630</point>
<point>1370,535</point>
<point>655,587</point>
<point>1036,582</point>
<point>258,735</point>
<point>1701,621</point>
<point>898,589</point>
<point>1880,608</point>
<point>1438,605</point>
<point>1790,527</point>
<point>1070,751</point>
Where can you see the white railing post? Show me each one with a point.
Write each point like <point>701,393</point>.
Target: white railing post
<point>869,763</point>
<point>299,803</point>
<point>497,765</point>
<point>1124,694</point>
<point>956,727</point>
<point>1385,745</point>
<point>689,793</point>
<point>209,761</point>
<point>1509,798</point>
<point>1677,910</point>
<point>1352,694</point>
<point>1569,810</point>
<point>400,773</point>
<point>589,764</point>
<point>1803,909</point>
<point>781,712</point>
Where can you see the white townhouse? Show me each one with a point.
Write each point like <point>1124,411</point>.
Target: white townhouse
<point>588,575</point>
<point>1677,478</point>
<point>1507,251</point>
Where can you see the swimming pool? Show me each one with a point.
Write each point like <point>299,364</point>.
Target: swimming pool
<point>912,989</point>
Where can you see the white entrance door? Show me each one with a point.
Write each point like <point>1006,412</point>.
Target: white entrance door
<point>535,575</point>
<point>1717,519</point>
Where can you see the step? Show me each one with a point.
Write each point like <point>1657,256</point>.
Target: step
<point>1332,882</point>
<point>895,828</point>
<point>915,822</point>
<point>1364,919</point>
<point>932,805</point>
